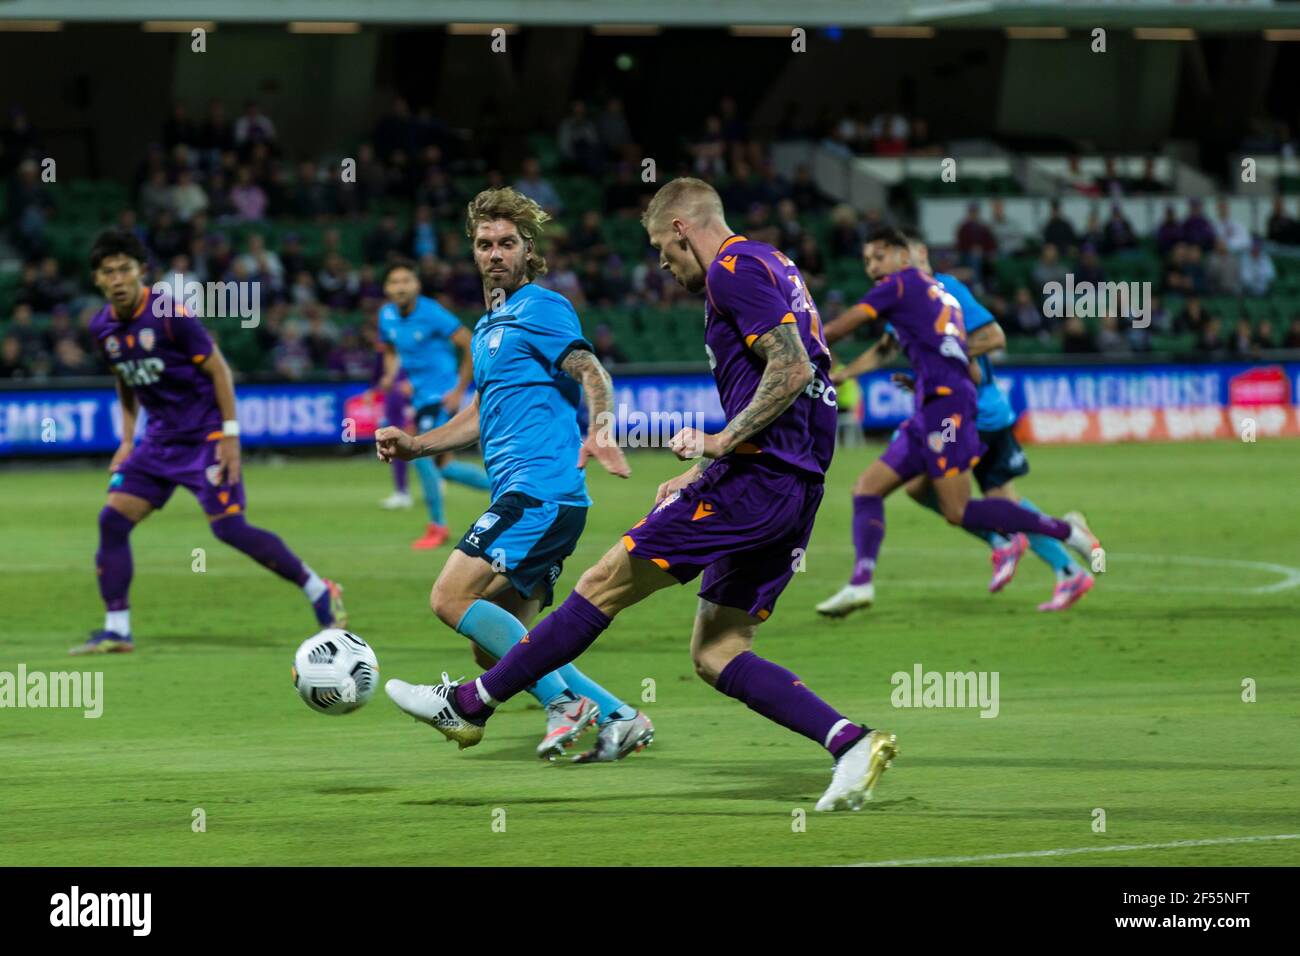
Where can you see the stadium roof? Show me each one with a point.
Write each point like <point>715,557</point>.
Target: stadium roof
<point>1076,14</point>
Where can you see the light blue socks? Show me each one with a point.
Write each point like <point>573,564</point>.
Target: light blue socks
<point>496,630</point>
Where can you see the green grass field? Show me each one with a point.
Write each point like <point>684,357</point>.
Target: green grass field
<point>1131,702</point>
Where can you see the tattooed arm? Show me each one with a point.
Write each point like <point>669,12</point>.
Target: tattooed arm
<point>786,372</point>
<point>584,368</point>
<point>987,338</point>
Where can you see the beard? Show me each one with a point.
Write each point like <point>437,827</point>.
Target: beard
<point>509,281</point>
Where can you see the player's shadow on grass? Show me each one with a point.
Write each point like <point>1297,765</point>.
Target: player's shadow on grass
<point>524,747</point>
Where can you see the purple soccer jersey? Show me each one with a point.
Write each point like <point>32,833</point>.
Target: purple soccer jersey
<point>157,352</point>
<point>940,439</point>
<point>752,288</point>
<point>928,323</point>
<point>745,523</point>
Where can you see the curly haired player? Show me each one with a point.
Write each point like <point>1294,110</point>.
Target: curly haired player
<point>739,521</point>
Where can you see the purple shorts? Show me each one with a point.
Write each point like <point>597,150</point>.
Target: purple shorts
<point>153,471</point>
<point>745,525</point>
<point>939,440</point>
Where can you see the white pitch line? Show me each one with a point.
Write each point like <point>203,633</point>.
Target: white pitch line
<point>1074,851</point>
<point>1290,576</point>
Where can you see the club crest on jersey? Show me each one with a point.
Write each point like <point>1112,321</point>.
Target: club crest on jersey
<point>146,339</point>
<point>935,441</point>
<point>113,346</point>
<point>213,474</point>
<point>667,501</point>
<point>494,340</point>
<point>486,521</point>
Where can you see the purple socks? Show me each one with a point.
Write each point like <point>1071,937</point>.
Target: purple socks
<point>764,687</point>
<point>262,546</point>
<point>559,638</point>
<point>113,565</point>
<point>1007,517</point>
<point>771,690</point>
<point>868,533</point>
<point>395,414</point>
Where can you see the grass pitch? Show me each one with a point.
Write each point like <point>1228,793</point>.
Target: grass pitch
<point>1130,704</point>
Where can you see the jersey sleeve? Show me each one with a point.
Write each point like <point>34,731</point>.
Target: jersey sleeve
<point>554,333</point>
<point>97,339</point>
<point>747,291</point>
<point>190,336</point>
<point>445,322</point>
<point>883,296</point>
<point>386,325</point>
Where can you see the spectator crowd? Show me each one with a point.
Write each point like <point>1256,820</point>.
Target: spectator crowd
<point>1199,256</point>
<point>220,198</point>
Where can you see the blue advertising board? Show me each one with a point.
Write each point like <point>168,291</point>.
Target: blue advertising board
<point>82,421</point>
<point>87,420</point>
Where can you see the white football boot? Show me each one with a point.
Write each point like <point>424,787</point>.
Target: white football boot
<point>397,501</point>
<point>1085,542</point>
<point>850,598</point>
<point>858,771</point>
<point>432,704</point>
<point>566,720</point>
<point>618,738</point>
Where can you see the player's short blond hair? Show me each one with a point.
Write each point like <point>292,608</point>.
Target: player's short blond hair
<point>527,216</point>
<point>687,198</point>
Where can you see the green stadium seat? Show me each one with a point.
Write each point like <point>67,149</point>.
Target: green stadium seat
<point>547,152</point>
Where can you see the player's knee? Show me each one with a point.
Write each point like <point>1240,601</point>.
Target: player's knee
<point>448,607</point>
<point>711,662</point>
<point>952,512</point>
<point>706,669</point>
<point>595,581</point>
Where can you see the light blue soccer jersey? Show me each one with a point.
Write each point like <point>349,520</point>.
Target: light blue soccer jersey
<point>423,344</point>
<point>528,408</point>
<point>994,412</point>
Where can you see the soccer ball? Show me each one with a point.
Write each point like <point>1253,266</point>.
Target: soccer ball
<point>335,671</point>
